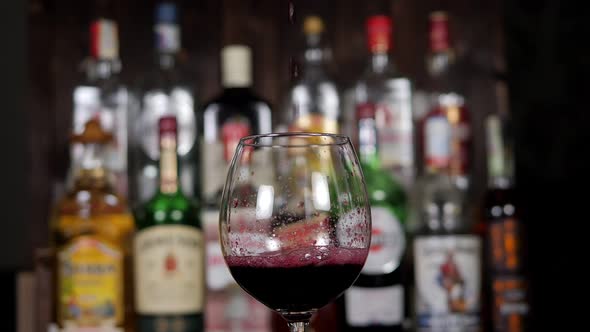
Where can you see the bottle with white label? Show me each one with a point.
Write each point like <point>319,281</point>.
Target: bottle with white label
<point>444,96</point>
<point>376,300</point>
<point>164,90</point>
<point>390,92</point>
<point>169,250</point>
<point>446,251</point>
<point>237,112</point>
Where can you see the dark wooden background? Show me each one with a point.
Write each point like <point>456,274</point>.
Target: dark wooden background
<point>58,42</point>
<point>538,48</point>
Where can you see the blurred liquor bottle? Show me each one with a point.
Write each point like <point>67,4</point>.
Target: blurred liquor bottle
<point>91,229</point>
<point>442,99</point>
<point>235,113</point>
<point>313,103</point>
<point>163,91</point>
<point>506,282</point>
<point>383,88</point>
<point>101,95</point>
<point>169,249</point>
<point>446,250</point>
<point>376,300</point>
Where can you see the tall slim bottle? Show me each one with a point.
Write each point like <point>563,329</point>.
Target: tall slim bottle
<point>91,230</point>
<point>376,300</point>
<point>389,93</point>
<point>102,95</point>
<point>164,91</point>
<point>238,111</point>
<point>506,281</point>
<point>313,102</point>
<point>169,250</point>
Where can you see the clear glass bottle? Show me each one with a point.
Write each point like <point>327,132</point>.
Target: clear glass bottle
<point>390,93</point>
<point>91,230</point>
<point>169,249</point>
<point>164,91</point>
<point>313,103</point>
<point>102,95</point>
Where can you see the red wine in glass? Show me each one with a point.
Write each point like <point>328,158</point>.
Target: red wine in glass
<point>298,281</point>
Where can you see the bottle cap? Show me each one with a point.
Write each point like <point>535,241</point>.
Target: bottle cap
<point>379,33</point>
<point>236,66</point>
<point>167,125</point>
<point>365,111</point>
<point>166,12</point>
<point>93,133</point>
<point>439,31</point>
<point>313,25</point>
<point>104,42</point>
<point>166,28</point>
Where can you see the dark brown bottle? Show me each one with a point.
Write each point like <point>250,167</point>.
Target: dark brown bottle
<point>506,287</point>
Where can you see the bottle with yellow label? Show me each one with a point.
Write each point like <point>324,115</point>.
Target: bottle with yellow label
<point>91,231</point>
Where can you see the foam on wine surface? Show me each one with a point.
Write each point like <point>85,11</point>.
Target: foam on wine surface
<point>318,255</point>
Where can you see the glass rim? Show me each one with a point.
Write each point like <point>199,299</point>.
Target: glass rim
<point>338,139</point>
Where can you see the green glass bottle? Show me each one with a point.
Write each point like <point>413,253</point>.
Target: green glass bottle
<point>169,250</point>
<point>380,282</point>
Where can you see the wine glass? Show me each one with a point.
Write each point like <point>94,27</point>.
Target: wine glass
<point>295,224</point>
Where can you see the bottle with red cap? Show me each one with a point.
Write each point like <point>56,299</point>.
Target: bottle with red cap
<point>169,249</point>
<point>383,88</point>
<point>445,101</point>
<point>102,96</point>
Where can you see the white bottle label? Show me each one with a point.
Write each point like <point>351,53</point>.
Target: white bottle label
<point>374,306</point>
<point>393,114</point>
<point>437,139</point>
<point>169,270</point>
<point>448,281</point>
<point>387,242</point>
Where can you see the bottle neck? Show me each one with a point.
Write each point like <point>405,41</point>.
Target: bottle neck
<point>166,60</point>
<point>168,164</point>
<point>368,150</point>
<point>314,55</point>
<point>90,172</point>
<point>103,69</point>
<point>439,63</point>
<point>499,154</point>
<point>500,175</point>
<point>167,43</point>
<point>380,62</point>
<point>500,182</point>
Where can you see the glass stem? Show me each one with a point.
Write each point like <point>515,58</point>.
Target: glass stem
<point>297,326</point>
